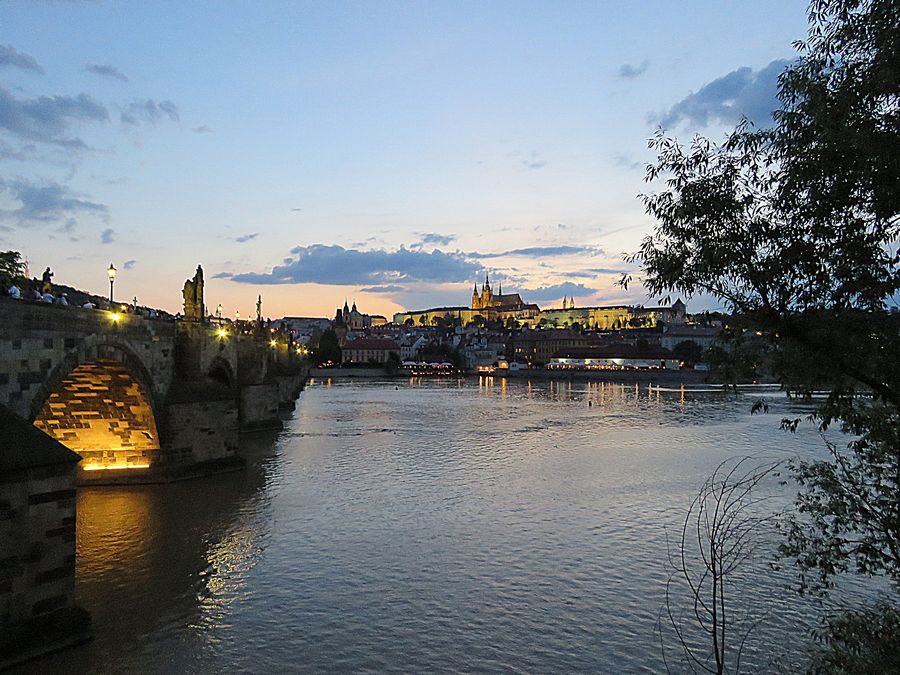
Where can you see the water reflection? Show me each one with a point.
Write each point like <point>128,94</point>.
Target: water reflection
<point>419,526</point>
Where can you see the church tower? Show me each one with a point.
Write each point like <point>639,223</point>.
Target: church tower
<point>487,295</point>
<point>476,301</point>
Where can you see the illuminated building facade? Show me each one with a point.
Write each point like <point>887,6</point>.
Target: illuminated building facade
<point>493,307</point>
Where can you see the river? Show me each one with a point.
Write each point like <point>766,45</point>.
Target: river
<point>429,526</point>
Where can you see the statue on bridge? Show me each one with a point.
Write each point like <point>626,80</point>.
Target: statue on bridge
<point>194,309</point>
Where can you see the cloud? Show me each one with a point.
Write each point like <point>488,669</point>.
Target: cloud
<point>106,71</point>
<point>129,264</point>
<point>324,264</point>
<point>540,252</point>
<point>48,202</point>
<point>202,129</point>
<point>628,163</point>
<point>534,162</point>
<point>435,239</point>
<point>108,236</point>
<point>629,72</point>
<point>557,291</point>
<point>16,59</point>
<point>594,272</point>
<point>743,92</point>
<point>246,237</point>
<point>609,270</point>
<point>47,118</point>
<point>21,154</point>
<point>382,289</point>
<point>149,112</point>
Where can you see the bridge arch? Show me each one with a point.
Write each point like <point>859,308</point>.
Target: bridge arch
<point>99,403</point>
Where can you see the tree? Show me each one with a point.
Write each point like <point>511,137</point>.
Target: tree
<point>392,365</point>
<point>860,642</point>
<point>688,351</point>
<point>795,229</point>
<point>329,349</point>
<point>721,532</point>
<point>12,268</point>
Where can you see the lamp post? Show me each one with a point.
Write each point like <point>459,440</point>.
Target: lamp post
<point>219,311</point>
<point>111,273</point>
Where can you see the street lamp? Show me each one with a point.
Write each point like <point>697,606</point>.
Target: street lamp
<point>219,311</point>
<point>111,273</point>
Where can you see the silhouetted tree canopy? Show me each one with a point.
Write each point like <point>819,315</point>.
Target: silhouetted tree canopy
<point>329,349</point>
<point>795,229</point>
<point>12,268</point>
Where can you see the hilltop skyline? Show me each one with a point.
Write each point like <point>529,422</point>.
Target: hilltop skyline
<point>390,154</point>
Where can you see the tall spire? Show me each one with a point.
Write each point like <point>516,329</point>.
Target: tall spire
<point>500,289</point>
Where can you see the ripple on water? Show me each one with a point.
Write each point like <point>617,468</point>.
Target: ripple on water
<point>427,527</point>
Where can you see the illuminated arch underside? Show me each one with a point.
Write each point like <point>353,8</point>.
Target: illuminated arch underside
<point>100,412</point>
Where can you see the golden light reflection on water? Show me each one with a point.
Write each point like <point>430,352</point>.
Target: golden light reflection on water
<point>229,561</point>
<point>113,526</point>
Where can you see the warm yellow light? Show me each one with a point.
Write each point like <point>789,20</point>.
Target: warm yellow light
<point>115,317</point>
<point>222,333</point>
<point>111,272</point>
<point>272,343</point>
<point>102,467</point>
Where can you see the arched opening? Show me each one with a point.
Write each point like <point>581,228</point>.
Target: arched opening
<point>101,412</point>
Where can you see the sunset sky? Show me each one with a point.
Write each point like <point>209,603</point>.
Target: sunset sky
<point>387,152</point>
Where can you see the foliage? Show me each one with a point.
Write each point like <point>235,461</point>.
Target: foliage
<point>12,268</point>
<point>441,351</point>
<point>795,229</point>
<point>329,349</point>
<point>688,351</point>
<point>861,642</point>
<point>392,365</point>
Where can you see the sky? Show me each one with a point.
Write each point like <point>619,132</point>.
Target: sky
<point>391,153</point>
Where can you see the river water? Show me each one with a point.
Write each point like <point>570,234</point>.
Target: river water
<point>429,526</point>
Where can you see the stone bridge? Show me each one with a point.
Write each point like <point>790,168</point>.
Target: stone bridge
<point>142,399</point>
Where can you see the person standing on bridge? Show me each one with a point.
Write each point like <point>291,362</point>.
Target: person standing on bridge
<point>47,281</point>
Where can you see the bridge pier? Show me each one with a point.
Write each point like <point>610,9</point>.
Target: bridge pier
<point>38,613</point>
<point>141,400</point>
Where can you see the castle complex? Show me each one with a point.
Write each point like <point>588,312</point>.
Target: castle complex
<point>500,307</point>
